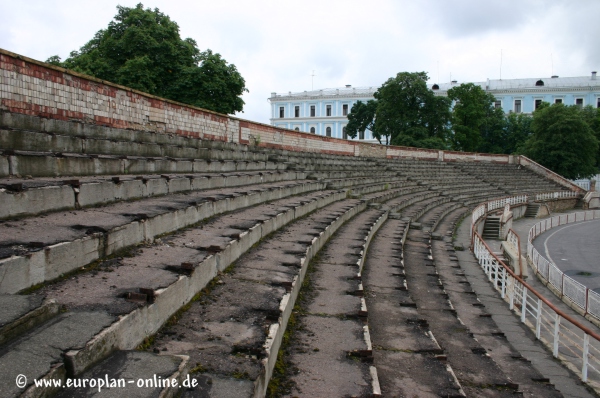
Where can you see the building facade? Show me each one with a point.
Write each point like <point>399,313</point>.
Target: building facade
<point>525,95</point>
<point>325,112</point>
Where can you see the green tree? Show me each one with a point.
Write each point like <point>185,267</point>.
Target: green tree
<point>142,49</point>
<point>562,141</point>
<point>362,118</point>
<point>591,116</point>
<point>517,132</point>
<point>494,132</point>
<point>410,113</point>
<point>472,106</point>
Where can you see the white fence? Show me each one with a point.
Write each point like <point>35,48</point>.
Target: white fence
<point>585,183</point>
<point>581,296</point>
<point>556,195</point>
<point>576,345</point>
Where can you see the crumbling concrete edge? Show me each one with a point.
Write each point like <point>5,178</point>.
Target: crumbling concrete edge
<point>37,316</point>
<point>131,329</point>
<point>21,272</point>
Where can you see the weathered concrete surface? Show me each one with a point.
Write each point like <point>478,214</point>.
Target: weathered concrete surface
<point>130,368</point>
<point>21,313</point>
<point>517,334</point>
<point>35,352</point>
<point>404,353</point>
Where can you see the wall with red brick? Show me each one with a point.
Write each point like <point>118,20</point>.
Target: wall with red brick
<point>35,88</point>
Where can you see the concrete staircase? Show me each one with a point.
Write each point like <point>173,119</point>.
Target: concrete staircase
<point>108,237</point>
<point>491,228</point>
<point>532,210</point>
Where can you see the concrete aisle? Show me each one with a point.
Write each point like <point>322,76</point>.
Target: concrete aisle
<point>518,334</point>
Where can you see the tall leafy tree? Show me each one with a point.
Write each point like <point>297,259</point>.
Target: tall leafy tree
<point>591,116</point>
<point>563,141</point>
<point>517,132</point>
<point>142,49</point>
<point>494,132</point>
<point>362,118</point>
<point>472,106</point>
<point>410,113</point>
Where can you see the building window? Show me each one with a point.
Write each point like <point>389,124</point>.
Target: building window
<point>328,110</point>
<point>281,112</point>
<point>598,102</point>
<point>297,129</point>
<point>312,130</point>
<point>328,131</point>
<point>539,83</point>
<point>497,104</point>
<point>517,106</point>
<point>296,111</point>
<point>579,102</point>
<point>344,135</point>
<point>538,102</point>
<point>312,111</point>
<point>361,135</point>
<point>558,101</point>
<point>345,109</point>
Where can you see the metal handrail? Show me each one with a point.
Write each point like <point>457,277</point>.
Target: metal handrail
<point>586,299</point>
<point>517,293</point>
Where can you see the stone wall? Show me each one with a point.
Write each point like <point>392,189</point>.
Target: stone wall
<point>35,88</point>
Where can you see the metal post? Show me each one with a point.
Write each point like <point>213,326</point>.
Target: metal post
<point>556,330</point>
<point>511,293</point>
<point>524,304</point>
<point>586,351</point>
<point>503,292</point>
<point>538,321</point>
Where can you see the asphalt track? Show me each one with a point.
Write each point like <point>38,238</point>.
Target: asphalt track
<point>575,249</point>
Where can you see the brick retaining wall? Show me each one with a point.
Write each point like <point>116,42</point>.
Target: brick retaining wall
<point>35,88</point>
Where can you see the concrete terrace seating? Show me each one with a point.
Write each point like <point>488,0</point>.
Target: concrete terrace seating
<point>197,250</point>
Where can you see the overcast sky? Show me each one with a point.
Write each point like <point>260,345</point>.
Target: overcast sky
<point>276,45</point>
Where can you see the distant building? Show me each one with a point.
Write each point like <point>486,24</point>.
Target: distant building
<point>325,112</point>
<point>525,95</point>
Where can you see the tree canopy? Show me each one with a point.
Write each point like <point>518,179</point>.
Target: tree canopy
<point>473,111</point>
<point>142,49</point>
<point>563,141</point>
<point>362,118</point>
<point>404,112</point>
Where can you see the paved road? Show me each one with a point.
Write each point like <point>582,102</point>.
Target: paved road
<point>575,249</point>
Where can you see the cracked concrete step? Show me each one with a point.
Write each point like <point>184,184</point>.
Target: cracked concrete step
<point>25,197</point>
<point>269,268</point>
<point>474,316</point>
<point>39,141</point>
<point>35,352</point>
<point>408,359</point>
<point>225,332</point>
<point>144,310</point>
<point>332,330</point>
<point>100,292</point>
<point>133,374</point>
<point>18,314</point>
<point>42,248</point>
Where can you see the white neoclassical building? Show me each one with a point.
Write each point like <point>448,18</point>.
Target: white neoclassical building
<point>325,112</point>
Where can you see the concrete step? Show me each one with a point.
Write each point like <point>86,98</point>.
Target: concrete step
<point>142,311</point>
<point>47,164</point>
<point>44,248</point>
<point>26,197</point>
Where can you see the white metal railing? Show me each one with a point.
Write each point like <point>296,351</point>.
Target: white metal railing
<point>556,195</point>
<point>584,298</point>
<point>513,239</point>
<point>577,346</point>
